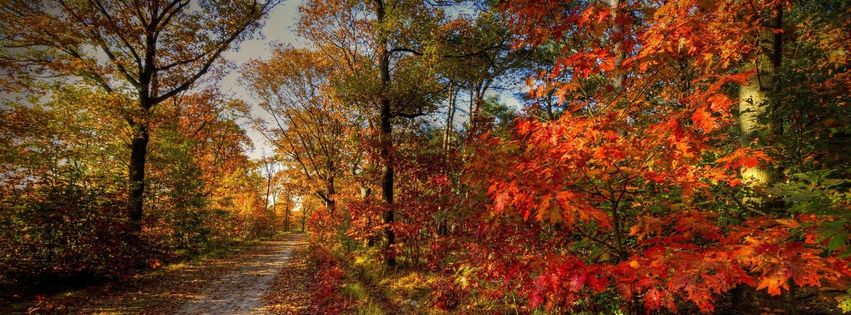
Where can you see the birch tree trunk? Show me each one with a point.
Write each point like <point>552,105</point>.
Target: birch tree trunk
<point>754,105</point>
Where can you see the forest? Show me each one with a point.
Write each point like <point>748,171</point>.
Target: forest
<point>425,157</point>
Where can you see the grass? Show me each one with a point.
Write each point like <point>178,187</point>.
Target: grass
<point>379,290</point>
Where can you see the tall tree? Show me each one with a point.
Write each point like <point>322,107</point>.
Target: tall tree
<point>153,50</point>
<point>381,50</point>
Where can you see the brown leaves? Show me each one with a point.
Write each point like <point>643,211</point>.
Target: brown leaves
<point>290,291</point>
<point>645,227</point>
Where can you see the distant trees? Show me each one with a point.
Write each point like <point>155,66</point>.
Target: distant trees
<point>308,127</point>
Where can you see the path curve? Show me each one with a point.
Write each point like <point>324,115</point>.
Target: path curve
<point>241,291</point>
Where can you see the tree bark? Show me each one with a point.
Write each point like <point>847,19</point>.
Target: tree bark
<point>754,105</point>
<point>136,175</point>
<point>303,219</point>
<point>387,179</point>
<point>442,226</point>
<point>287,218</point>
<point>385,135</point>
<point>450,119</point>
<point>617,30</point>
<point>267,164</point>
<point>472,109</point>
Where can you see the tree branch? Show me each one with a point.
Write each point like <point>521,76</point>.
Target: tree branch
<point>408,115</point>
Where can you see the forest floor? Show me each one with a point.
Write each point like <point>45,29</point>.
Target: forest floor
<point>291,292</point>
<point>233,282</point>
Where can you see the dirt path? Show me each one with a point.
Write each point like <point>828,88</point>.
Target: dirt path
<point>241,291</point>
<point>224,281</point>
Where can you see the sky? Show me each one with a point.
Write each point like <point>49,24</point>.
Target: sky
<point>279,27</point>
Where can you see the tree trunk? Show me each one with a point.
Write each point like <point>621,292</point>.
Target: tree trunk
<point>136,175</point>
<point>287,218</point>
<point>617,30</point>
<point>331,203</point>
<point>387,181</point>
<point>477,96</point>
<point>268,187</point>
<point>327,196</point>
<point>385,135</point>
<point>754,106</point>
<point>472,110</point>
<point>139,144</point>
<point>450,119</point>
<point>273,211</point>
<point>442,225</point>
<point>756,124</point>
<point>303,219</point>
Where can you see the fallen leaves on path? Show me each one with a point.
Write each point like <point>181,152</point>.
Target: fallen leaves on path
<point>290,291</point>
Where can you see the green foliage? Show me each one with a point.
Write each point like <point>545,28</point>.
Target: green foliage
<point>845,302</point>
<point>63,188</point>
<point>501,115</point>
<point>818,193</point>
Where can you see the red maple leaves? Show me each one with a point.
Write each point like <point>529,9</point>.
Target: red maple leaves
<point>616,187</point>
<point>693,260</point>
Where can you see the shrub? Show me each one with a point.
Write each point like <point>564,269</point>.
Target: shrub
<point>61,232</point>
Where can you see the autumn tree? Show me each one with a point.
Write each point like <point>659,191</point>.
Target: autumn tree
<point>308,126</point>
<point>198,155</point>
<point>63,160</point>
<point>151,51</point>
<point>60,161</point>
<point>285,198</point>
<point>269,168</point>
<point>209,123</point>
<point>797,51</point>
<point>810,130</point>
<point>65,139</point>
<point>382,50</point>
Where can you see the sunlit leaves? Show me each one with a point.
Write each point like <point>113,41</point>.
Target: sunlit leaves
<point>638,153</point>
